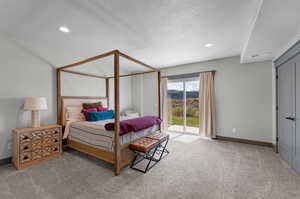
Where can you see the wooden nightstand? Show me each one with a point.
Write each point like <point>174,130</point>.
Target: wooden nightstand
<point>34,145</point>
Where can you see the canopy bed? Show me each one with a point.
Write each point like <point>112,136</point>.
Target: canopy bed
<point>114,149</point>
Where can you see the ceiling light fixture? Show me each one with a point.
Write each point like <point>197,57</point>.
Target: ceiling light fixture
<point>64,29</point>
<point>208,45</point>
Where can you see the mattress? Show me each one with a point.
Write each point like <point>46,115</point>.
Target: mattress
<point>95,135</point>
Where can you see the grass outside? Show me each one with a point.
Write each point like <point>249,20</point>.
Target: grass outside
<point>190,121</point>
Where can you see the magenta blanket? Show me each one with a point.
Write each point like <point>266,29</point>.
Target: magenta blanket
<point>135,124</point>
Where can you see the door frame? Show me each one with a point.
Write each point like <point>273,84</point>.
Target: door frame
<point>277,111</point>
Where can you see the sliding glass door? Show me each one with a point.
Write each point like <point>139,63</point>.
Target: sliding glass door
<point>176,101</point>
<point>183,105</point>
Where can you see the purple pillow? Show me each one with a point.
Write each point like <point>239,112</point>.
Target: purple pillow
<point>102,109</point>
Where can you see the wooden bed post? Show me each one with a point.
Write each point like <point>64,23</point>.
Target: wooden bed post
<point>158,94</point>
<point>117,112</point>
<point>159,105</point>
<point>107,91</point>
<point>58,96</point>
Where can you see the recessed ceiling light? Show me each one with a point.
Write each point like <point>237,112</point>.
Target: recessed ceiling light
<point>64,29</point>
<point>208,45</point>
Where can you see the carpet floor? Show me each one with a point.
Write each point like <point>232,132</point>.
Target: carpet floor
<point>196,168</point>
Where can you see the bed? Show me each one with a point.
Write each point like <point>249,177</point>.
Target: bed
<point>92,138</point>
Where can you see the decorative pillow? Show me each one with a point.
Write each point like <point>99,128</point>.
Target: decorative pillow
<point>91,105</point>
<point>96,116</point>
<point>73,113</point>
<point>85,111</point>
<point>102,109</point>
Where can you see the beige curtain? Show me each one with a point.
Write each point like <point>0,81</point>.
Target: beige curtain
<point>164,102</point>
<point>207,105</point>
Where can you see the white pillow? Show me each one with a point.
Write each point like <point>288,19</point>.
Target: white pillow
<point>73,113</point>
<point>132,113</point>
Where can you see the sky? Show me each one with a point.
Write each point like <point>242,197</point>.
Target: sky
<point>190,85</point>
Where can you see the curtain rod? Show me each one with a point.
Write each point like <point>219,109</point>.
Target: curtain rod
<point>188,74</point>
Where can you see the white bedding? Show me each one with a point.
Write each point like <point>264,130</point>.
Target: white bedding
<point>94,134</point>
<point>99,125</point>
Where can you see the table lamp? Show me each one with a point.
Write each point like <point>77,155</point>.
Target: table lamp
<point>35,104</point>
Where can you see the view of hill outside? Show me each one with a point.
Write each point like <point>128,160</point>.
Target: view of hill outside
<point>176,103</point>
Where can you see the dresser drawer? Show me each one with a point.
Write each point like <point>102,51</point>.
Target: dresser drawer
<point>55,140</point>
<point>37,136</point>
<point>36,145</point>
<point>55,131</point>
<point>25,137</point>
<point>47,151</point>
<point>25,157</point>
<point>25,146</point>
<point>47,139</point>
<point>55,148</point>
<point>37,154</point>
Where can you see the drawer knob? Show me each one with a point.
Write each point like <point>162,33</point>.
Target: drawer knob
<point>26,147</point>
<point>25,137</point>
<point>56,140</point>
<point>55,149</point>
<point>25,157</point>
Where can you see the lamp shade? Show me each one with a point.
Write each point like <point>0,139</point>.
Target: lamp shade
<point>35,103</point>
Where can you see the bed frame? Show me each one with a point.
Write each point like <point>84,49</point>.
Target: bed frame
<point>121,156</point>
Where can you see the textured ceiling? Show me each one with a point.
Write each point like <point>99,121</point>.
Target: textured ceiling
<point>158,32</point>
<point>277,26</point>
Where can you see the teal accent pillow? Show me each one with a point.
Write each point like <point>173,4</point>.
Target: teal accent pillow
<point>93,116</point>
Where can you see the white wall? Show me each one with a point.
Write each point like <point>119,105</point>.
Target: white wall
<point>145,94</point>
<point>137,93</point>
<point>150,94</point>
<point>243,96</point>
<point>22,74</point>
<point>125,93</point>
<point>76,85</point>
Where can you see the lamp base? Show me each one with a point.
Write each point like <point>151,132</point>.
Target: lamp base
<point>35,119</point>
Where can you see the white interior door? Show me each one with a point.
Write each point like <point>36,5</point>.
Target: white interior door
<point>286,111</point>
<point>296,162</point>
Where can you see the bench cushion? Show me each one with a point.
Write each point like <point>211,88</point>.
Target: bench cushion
<point>161,137</point>
<point>143,144</point>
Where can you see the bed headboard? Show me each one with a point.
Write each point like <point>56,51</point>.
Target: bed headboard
<point>77,101</point>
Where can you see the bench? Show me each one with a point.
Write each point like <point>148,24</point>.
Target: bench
<point>147,147</point>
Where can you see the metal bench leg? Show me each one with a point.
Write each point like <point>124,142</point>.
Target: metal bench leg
<point>151,158</point>
<point>133,161</point>
<point>164,150</point>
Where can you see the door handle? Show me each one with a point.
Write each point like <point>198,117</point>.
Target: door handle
<point>290,118</point>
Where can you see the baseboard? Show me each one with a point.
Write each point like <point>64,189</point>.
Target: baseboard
<point>245,141</point>
<point>5,161</point>
<point>275,148</point>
